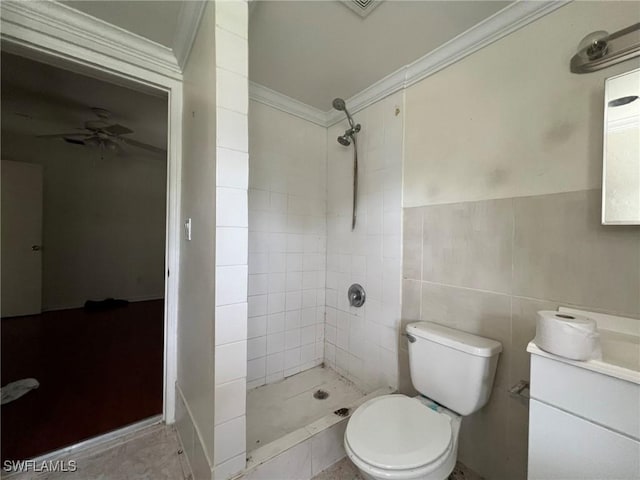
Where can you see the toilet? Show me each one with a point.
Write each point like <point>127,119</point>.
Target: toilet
<point>396,437</point>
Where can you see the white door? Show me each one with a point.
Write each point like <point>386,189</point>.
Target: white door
<point>21,250</point>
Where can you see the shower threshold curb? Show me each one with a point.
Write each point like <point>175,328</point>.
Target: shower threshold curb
<point>263,454</point>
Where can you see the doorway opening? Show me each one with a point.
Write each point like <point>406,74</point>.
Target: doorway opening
<point>84,241</point>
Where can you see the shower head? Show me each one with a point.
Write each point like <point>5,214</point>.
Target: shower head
<point>344,140</point>
<point>349,135</point>
<point>339,104</point>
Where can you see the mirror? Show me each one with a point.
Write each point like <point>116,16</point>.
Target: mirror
<point>621,165</point>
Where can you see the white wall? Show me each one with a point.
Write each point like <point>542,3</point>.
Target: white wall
<point>287,237</point>
<point>195,384</point>
<point>213,290</point>
<point>531,124</point>
<point>361,343</point>
<point>503,161</point>
<point>103,221</point>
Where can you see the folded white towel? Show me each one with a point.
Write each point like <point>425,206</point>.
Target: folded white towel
<point>14,390</point>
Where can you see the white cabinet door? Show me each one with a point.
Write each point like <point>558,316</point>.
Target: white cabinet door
<point>565,447</point>
<point>21,254</point>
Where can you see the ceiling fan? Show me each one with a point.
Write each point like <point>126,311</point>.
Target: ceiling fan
<point>101,133</point>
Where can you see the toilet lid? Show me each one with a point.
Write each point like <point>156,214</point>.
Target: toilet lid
<point>397,432</point>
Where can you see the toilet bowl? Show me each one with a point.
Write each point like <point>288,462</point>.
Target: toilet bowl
<point>397,437</point>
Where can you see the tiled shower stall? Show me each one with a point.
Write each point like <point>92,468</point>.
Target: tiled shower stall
<point>361,343</point>
<point>287,245</point>
<point>303,255</point>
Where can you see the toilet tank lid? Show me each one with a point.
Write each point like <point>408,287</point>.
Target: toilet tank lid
<point>463,341</point>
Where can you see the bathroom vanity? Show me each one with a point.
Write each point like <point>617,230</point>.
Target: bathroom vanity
<point>584,417</point>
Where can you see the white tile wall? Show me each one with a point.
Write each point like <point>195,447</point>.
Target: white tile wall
<point>229,444</point>
<point>231,16</point>
<point>361,343</point>
<point>231,207</point>
<point>231,362</point>
<point>232,466</point>
<point>305,459</point>
<point>231,48</point>
<point>230,125</point>
<point>231,323</point>
<point>231,246</point>
<point>232,168</point>
<point>229,91</point>
<point>293,463</point>
<point>230,400</point>
<point>232,171</point>
<point>287,244</point>
<point>231,284</point>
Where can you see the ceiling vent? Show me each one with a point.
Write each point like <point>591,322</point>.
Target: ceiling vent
<point>361,7</point>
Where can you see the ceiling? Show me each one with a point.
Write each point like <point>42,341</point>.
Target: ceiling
<point>39,99</point>
<point>314,51</point>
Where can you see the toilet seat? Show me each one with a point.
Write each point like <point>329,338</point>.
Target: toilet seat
<point>396,434</point>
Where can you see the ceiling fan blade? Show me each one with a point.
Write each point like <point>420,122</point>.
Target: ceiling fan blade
<point>63,135</point>
<point>145,146</point>
<point>74,141</point>
<point>117,129</point>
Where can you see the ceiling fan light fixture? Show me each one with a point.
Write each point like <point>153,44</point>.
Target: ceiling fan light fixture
<point>111,146</point>
<point>93,142</point>
<point>102,134</point>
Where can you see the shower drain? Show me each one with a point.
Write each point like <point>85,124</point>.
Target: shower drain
<point>320,395</point>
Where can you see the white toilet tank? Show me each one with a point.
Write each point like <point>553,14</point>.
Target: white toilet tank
<point>454,368</point>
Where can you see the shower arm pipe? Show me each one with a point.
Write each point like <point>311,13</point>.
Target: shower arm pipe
<point>619,46</point>
<point>351,123</point>
<point>355,182</point>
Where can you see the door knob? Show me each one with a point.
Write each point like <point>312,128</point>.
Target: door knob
<point>36,248</point>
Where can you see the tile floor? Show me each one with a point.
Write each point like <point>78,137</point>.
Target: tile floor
<point>154,454</point>
<point>150,454</point>
<point>277,409</point>
<point>345,470</point>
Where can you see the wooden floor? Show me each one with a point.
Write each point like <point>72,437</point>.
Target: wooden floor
<point>98,371</point>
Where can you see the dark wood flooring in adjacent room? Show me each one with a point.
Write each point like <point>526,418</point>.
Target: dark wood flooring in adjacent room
<point>98,371</point>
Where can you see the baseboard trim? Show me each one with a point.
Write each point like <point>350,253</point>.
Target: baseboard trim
<point>143,298</point>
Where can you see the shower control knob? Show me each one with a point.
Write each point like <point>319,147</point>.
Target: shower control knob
<point>356,295</point>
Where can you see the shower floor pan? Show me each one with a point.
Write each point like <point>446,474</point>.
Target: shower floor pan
<point>284,414</point>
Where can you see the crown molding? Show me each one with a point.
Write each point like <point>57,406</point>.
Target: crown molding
<point>279,101</point>
<point>36,23</point>
<point>389,85</point>
<point>511,18</point>
<point>188,22</point>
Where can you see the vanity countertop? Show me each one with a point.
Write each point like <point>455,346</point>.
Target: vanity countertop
<point>620,342</point>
